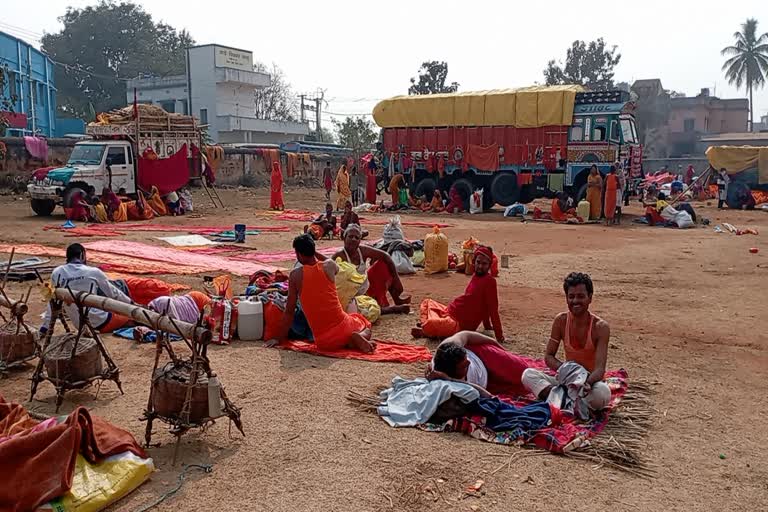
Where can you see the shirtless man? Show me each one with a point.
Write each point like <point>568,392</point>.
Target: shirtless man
<point>314,283</point>
<point>480,360</point>
<point>323,225</point>
<point>585,340</point>
<point>382,274</point>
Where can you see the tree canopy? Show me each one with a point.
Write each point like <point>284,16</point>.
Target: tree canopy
<point>748,62</point>
<point>431,79</point>
<point>103,45</point>
<point>276,102</point>
<point>588,64</point>
<point>356,133</point>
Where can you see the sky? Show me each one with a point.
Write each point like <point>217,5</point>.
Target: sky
<point>359,52</point>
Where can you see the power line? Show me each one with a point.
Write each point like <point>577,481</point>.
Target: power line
<point>8,26</point>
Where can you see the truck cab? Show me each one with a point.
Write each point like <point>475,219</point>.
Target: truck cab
<point>93,163</point>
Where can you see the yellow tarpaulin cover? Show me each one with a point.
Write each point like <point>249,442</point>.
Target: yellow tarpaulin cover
<point>736,159</point>
<point>526,107</point>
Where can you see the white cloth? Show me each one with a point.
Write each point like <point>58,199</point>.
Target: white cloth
<point>477,373</point>
<point>82,278</point>
<point>536,381</point>
<point>412,402</point>
<point>722,186</point>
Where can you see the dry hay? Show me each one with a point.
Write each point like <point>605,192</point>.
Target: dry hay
<point>620,445</point>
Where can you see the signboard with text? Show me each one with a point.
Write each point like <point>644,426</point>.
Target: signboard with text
<point>231,58</point>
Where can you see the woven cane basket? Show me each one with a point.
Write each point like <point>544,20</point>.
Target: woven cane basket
<point>14,347</point>
<point>170,391</point>
<point>85,364</point>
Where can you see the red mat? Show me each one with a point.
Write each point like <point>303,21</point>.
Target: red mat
<point>386,352</point>
<point>193,229</point>
<point>413,223</point>
<point>178,257</point>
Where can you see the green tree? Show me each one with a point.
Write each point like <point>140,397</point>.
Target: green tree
<point>326,135</point>
<point>103,45</point>
<point>431,79</point>
<point>357,133</point>
<point>748,62</point>
<point>588,64</point>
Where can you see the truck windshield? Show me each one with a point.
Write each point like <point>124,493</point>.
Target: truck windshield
<point>627,132</point>
<point>87,154</point>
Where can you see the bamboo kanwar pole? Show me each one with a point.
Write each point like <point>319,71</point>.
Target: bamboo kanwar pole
<point>138,314</point>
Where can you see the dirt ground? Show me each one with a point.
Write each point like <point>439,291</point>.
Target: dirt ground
<point>686,309</point>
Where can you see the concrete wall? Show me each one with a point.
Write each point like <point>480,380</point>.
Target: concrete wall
<point>18,165</point>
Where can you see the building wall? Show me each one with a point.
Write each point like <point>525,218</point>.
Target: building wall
<point>32,75</point>
<point>18,165</point>
<point>203,87</point>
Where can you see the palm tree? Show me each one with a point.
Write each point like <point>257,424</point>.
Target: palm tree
<point>748,62</point>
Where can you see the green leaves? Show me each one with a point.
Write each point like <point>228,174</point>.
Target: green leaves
<point>431,80</point>
<point>588,64</point>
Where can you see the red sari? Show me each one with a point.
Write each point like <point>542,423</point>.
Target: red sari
<point>276,188</point>
<point>370,187</point>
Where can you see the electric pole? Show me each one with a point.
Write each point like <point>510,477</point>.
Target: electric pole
<point>317,108</point>
<point>318,114</point>
<point>303,119</point>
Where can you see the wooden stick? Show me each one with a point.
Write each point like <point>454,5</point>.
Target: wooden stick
<point>136,313</point>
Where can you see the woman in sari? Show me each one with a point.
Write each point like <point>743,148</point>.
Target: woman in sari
<point>611,188</point>
<point>276,188</point>
<point>395,184</point>
<point>594,192</point>
<point>342,187</point>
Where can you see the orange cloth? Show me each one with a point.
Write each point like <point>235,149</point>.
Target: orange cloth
<point>483,158</point>
<point>115,322</point>
<point>276,186</point>
<point>139,209</point>
<point>143,290</point>
<point>331,326</point>
<point>121,214</point>
<point>38,462</point>
<point>156,202</point>
<point>386,352</point>
<point>611,186</point>
<point>557,214</point>
<point>214,154</point>
<point>435,320</point>
<point>594,189</point>
<point>201,299</point>
<point>582,352</point>
<point>394,188</point>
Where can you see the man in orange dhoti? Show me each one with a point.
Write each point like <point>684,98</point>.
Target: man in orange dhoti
<point>314,284</point>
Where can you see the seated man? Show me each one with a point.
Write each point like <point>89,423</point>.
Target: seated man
<point>79,277</point>
<point>653,211</point>
<point>477,359</point>
<point>585,340</point>
<point>313,282</point>
<point>478,305</point>
<point>350,217</point>
<point>382,274</point>
<point>560,209</point>
<point>323,225</point>
<point>436,205</point>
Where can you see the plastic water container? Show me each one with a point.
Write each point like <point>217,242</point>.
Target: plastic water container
<point>250,319</point>
<point>582,210</point>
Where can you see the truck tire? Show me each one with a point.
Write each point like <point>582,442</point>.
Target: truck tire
<point>465,188</point>
<point>425,187</point>
<point>504,190</point>
<point>43,207</point>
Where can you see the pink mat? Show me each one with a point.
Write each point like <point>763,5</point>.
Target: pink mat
<point>179,257</point>
<point>196,230</point>
<point>272,257</point>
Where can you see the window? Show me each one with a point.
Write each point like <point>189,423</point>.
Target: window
<point>577,133</point>
<point>116,155</point>
<point>168,106</point>
<point>599,134</point>
<point>627,131</point>
<point>130,155</point>
<point>587,128</point>
<point>203,116</point>
<point>184,107</point>
<point>689,125</point>
<point>615,131</point>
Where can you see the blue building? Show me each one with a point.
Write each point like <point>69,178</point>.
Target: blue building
<point>30,80</point>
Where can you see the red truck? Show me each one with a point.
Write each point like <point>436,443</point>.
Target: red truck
<point>515,144</point>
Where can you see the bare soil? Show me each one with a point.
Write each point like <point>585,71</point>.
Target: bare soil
<point>686,309</point>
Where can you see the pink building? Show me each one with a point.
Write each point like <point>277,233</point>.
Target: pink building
<point>690,119</point>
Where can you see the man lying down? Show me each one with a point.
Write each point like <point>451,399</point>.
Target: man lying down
<point>577,385</point>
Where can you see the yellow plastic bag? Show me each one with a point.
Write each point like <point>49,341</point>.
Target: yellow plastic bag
<point>418,258</point>
<point>368,307</point>
<point>349,282</point>
<point>96,486</point>
<point>435,252</point>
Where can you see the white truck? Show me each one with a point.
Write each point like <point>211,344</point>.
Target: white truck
<point>111,158</point>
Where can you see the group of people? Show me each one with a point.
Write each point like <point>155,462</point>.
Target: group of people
<point>464,354</point>
<point>606,195</point>
<point>86,206</point>
<point>351,185</point>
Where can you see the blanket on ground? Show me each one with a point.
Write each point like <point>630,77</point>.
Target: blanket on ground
<point>386,352</point>
<point>149,337</point>
<point>564,434</point>
<point>37,460</point>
